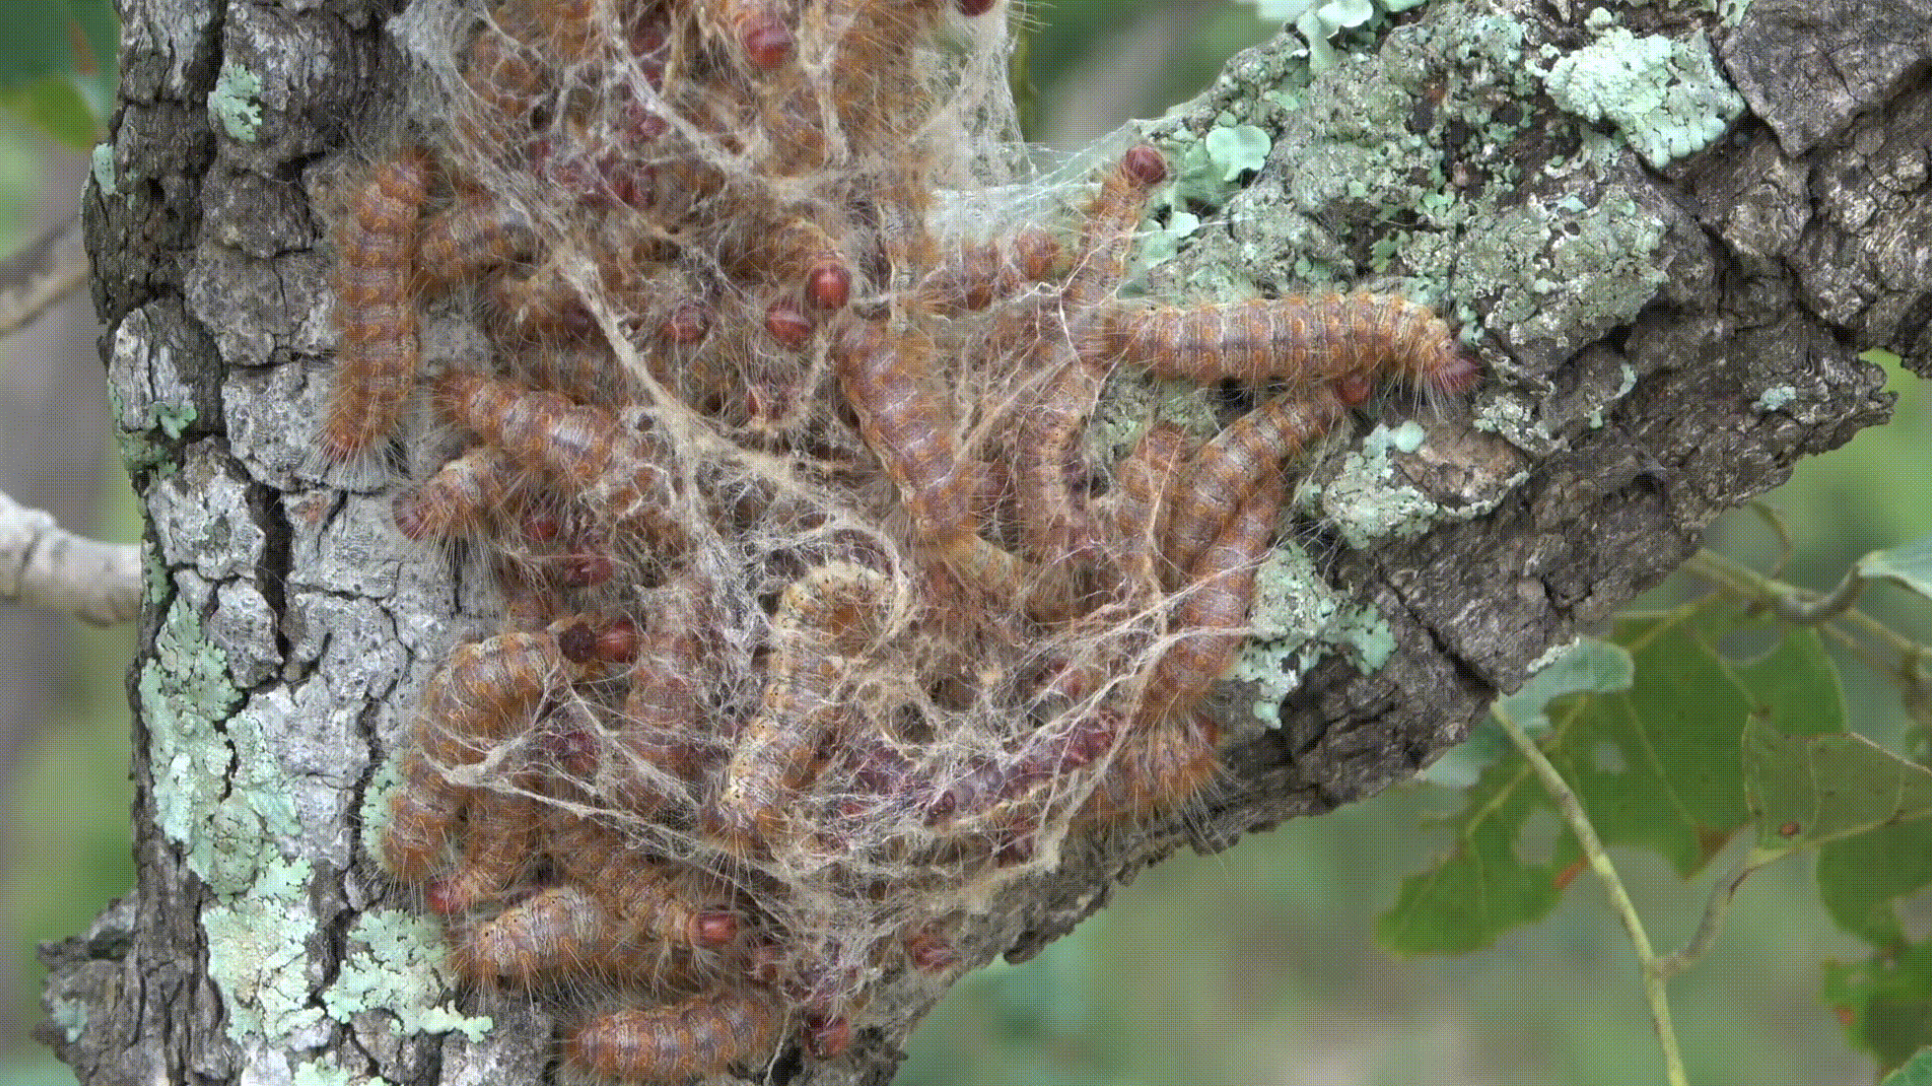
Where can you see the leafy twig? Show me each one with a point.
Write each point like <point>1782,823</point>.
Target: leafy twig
<point>1572,811</point>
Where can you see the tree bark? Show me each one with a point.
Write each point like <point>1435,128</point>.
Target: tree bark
<point>1669,284</point>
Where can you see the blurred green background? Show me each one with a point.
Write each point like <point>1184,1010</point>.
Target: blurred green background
<point>1254,966</point>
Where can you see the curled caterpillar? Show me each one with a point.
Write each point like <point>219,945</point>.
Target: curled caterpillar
<point>487,690</point>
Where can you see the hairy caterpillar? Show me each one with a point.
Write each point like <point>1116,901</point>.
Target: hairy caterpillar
<point>824,615</point>
<point>1295,340</point>
<point>487,690</point>
<point>1236,462</point>
<point>702,1035</point>
<point>375,306</point>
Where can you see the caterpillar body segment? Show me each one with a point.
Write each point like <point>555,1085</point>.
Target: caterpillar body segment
<point>471,236</point>
<point>1055,520</point>
<point>487,690</point>
<point>1235,463</point>
<point>1212,616</point>
<point>1107,234</point>
<point>908,428</point>
<point>462,498</point>
<point>705,1034</point>
<point>1147,485</point>
<point>1160,771</point>
<point>1296,341</point>
<point>974,274</point>
<point>378,353</point>
<point>822,618</point>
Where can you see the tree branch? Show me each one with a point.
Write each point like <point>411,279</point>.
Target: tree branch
<point>45,566</point>
<point>41,273</point>
<point>1669,306</point>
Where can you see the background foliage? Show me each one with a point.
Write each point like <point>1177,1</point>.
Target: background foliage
<point>1261,965</point>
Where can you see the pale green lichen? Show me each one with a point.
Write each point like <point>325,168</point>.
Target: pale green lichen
<point>69,1016</point>
<point>1292,606</point>
<point>1362,501</point>
<point>258,954</point>
<point>102,164</point>
<point>1665,96</point>
<point>1298,621</point>
<point>183,689</point>
<point>1367,634</point>
<point>398,968</point>
<point>1775,398</point>
<point>1566,277</point>
<point>233,102</point>
<point>326,1073</point>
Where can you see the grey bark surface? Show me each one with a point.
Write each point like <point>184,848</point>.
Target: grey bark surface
<point>286,635</point>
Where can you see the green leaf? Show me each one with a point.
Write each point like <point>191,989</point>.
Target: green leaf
<point>57,64</point>
<point>55,106</point>
<point>1885,1004</point>
<point>1590,666</point>
<point>1870,810</point>
<point>1909,566</point>
<point>1916,1071</point>
<point>1657,765</point>
<point>1811,791</point>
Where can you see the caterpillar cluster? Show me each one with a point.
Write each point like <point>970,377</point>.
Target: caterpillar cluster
<point>817,620</point>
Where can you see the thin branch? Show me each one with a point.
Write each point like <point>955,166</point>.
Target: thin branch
<point>1571,809</point>
<point>43,566</point>
<point>41,273</point>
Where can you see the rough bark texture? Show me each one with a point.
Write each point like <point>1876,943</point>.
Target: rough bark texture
<point>1670,307</point>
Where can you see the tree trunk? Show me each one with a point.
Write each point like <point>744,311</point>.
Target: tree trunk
<point>1672,239</point>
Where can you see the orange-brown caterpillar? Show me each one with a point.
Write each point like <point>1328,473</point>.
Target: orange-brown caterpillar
<point>487,690</point>
<point>1146,485</point>
<point>377,355</point>
<point>582,447</point>
<point>499,846</point>
<point>1053,510</point>
<point>973,275</point>
<point>1160,770</point>
<point>462,498</point>
<point>1299,341</point>
<point>1237,461</point>
<point>1213,613</point>
<point>703,1035</point>
<point>904,423</point>
<point>822,617</point>
<point>1108,235</point>
<point>470,236</point>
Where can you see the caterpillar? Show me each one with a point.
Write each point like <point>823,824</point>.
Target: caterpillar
<point>703,1035</point>
<point>903,423</point>
<point>499,847</point>
<point>1295,340</point>
<point>972,275</point>
<point>829,612</point>
<point>1107,236</point>
<point>1157,771</point>
<point>485,691</point>
<point>377,355</point>
<point>1213,614</point>
<point>473,234</point>
<point>1147,483</point>
<point>1236,462</point>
